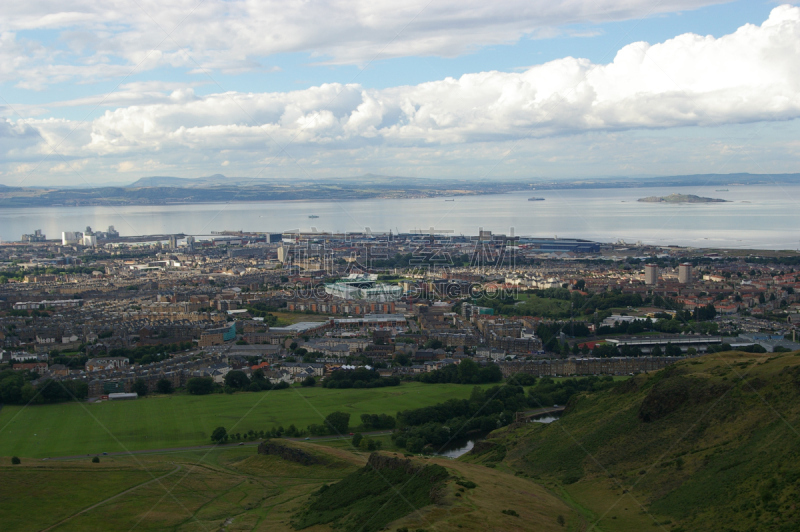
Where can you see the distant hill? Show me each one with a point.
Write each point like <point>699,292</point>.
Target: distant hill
<point>194,182</point>
<point>161,181</point>
<point>680,198</point>
<point>381,180</point>
<point>706,444</point>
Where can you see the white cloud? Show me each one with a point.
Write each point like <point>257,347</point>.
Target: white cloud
<point>685,82</point>
<point>690,80</point>
<point>233,36</point>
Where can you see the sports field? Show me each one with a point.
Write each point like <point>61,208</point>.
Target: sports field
<point>186,420</point>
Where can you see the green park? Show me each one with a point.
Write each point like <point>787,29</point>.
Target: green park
<point>182,420</point>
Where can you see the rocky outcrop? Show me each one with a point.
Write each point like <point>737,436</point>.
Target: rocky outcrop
<point>292,454</point>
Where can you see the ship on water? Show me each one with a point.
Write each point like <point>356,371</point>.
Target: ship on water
<point>313,216</point>
<point>535,199</point>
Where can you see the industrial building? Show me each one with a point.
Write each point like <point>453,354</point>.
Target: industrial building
<point>561,245</point>
<point>364,287</point>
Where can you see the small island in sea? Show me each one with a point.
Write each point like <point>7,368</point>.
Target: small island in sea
<point>681,198</point>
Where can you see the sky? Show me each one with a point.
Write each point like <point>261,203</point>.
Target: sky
<point>109,92</point>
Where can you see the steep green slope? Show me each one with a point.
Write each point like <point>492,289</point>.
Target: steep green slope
<point>385,489</point>
<point>707,444</point>
<point>434,494</point>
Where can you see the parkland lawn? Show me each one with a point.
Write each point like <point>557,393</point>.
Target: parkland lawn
<point>186,420</point>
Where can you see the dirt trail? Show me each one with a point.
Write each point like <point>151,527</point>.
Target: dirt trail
<point>120,494</point>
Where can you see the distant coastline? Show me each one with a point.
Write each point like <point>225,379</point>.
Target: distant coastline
<point>218,188</point>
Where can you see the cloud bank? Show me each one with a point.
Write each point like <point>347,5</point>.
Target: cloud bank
<point>748,76</point>
<point>97,40</point>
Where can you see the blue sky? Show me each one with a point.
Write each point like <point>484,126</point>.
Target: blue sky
<point>111,93</point>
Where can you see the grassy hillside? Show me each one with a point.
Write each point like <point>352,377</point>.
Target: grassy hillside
<point>236,489</point>
<point>708,444</point>
<point>186,420</point>
<point>386,489</point>
<point>396,493</point>
<point>233,489</point>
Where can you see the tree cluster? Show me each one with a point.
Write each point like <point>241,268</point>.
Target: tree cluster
<point>429,428</point>
<point>377,421</point>
<point>336,423</point>
<point>359,378</point>
<point>548,392</point>
<point>365,443</point>
<point>466,372</point>
<point>17,389</point>
<point>148,354</point>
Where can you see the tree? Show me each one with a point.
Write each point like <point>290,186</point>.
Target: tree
<point>672,350</point>
<point>433,344</point>
<point>96,460</point>
<point>468,371</point>
<point>357,437</point>
<point>140,387</point>
<point>200,385</point>
<point>309,381</point>
<point>15,460</point>
<point>164,386</point>
<point>236,379</point>
<point>656,352</point>
<point>337,422</point>
<point>565,349</point>
<point>220,435</point>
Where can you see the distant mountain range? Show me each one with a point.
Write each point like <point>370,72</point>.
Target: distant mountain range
<point>218,180</point>
<point>395,181</point>
<point>161,190</point>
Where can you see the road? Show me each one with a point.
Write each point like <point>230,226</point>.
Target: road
<point>213,447</point>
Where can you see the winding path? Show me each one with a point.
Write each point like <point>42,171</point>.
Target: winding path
<point>120,494</point>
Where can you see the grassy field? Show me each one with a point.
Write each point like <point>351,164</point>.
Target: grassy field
<point>235,489</point>
<point>185,420</point>
<point>540,306</point>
